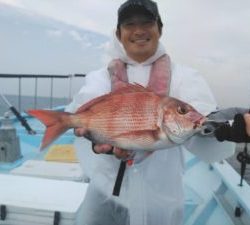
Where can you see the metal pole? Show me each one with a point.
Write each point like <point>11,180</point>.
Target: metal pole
<point>70,87</point>
<point>51,93</point>
<point>19,93</point>
<point>35,104</point>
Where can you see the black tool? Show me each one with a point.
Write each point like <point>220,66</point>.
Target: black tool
<point>18,115</point>
<point>244,158</point>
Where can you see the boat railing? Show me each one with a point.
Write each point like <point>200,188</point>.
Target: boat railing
<point>37,78</point>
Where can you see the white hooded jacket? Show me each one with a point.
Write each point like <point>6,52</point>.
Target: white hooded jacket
<point>152,189</point>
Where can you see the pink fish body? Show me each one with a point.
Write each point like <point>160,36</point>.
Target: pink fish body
<point>132,117</point>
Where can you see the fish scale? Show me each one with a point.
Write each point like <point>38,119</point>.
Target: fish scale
<point>132,116</point>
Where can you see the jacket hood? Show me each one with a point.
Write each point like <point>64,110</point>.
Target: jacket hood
<point>117,51</point>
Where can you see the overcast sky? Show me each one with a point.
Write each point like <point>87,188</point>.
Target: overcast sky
<point>212,36</point>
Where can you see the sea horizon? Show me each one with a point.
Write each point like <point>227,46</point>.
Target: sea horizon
<point>30,102</point>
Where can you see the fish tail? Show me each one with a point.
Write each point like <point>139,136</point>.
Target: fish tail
<point>56,124</point>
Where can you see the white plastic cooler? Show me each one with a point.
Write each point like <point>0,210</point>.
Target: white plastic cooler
<point>30,201</point>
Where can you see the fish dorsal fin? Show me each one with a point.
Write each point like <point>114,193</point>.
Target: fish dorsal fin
<point>127,88</point>
<point>91,103</point>
<point>130,88</point>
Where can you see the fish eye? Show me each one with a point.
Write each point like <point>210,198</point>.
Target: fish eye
<point>182,110</point>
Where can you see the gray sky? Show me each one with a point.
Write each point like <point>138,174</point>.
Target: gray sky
<point>210,35</point>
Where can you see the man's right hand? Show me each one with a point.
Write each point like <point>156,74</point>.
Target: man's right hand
<point>104,148</point>
<point>98,148</point>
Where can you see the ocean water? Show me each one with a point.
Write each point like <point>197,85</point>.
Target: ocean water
<point>28,102</point>
<point>45,102</point>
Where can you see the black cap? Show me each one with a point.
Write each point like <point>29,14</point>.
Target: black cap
<point>134,7</point>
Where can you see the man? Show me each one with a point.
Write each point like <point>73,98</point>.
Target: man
<point>150,190</point>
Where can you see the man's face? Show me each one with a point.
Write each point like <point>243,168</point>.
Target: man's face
<point>139,36</point>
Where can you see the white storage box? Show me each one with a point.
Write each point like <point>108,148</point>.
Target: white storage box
<point>48,169</point>
<point>39,201</point>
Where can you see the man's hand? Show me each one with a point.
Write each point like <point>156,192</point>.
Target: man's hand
<point>118,152</point>
<point>247,121</point>
<point>123,154</point>
<point>105,148</point>
<point>97,148</point>
<point>238,132</point>
<point>80,132</point>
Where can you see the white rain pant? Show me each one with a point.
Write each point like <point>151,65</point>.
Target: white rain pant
<point>152,190</point>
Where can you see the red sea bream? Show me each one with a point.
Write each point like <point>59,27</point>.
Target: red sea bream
<point>132,117</point>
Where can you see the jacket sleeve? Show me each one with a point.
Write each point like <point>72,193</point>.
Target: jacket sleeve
<point>96,83</point>
<point>193,89</point>
<point>227,113</point>
<point>189,86</point>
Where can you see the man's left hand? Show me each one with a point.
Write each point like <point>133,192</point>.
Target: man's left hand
<point>247,121</point>
<point>238,132</point>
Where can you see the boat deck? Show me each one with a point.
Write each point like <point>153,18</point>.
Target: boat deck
<point>213,195</point>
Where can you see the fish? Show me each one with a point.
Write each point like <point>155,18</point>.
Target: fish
<point>132,117</point>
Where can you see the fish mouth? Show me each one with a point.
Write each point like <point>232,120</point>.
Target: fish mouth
<point>199,122</point>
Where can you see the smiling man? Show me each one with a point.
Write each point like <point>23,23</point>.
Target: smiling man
<point>139,29</point>
<point>138,188</point>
